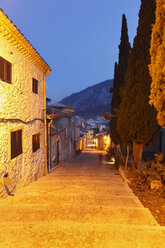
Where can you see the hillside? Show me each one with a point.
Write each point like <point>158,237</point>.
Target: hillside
<point>90,102</point>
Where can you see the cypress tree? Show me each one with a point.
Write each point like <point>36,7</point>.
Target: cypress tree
<point>119,75</point>
<point>157,67</point>
<point>114,103</point>
<point>137,120</point>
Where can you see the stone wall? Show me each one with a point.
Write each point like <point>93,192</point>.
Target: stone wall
<point>66,136</point>
<point>17,101</point>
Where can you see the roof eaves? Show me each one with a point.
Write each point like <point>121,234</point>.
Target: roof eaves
<point>23,39</point>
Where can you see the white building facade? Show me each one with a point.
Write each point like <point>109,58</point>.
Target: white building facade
<point>22,107</point>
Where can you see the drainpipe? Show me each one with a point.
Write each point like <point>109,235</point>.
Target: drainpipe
<point>45,121</point>
<point>49,124</point>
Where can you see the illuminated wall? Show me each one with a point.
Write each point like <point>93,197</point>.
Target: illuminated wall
<point>103,141</point>
<point>20,108</point>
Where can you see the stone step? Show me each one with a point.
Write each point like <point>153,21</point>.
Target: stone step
<point>88,176</point>
<point>75,199</point>
<point>68,234</point>
<point>106,180</point>
<point>87,169</point>
<point>96,214</point>
<point>83,169</point>
<point>75,190</point>
<point>68,180</point>
<point>83,181</point>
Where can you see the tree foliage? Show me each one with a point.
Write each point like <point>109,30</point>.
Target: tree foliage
<point>137,119</point>
<point>157,66</point>
<point>119,75</point>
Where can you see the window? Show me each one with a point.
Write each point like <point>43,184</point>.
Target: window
<point>5,70</point>
<point>35,86</point>
<point>16,143</point>
<point>36,142</point>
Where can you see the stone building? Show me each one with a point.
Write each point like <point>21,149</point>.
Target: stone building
<point>103,141</point>
<point>83,138</point>
<point>22,107</point>
<point>62,135</point>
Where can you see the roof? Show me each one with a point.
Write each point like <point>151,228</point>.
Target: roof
<point>83,130</point>
<point>101,134</point>
<point>57,105</point>
<point>56,113</point>
<point>14,36</point>
<point>48,99</point>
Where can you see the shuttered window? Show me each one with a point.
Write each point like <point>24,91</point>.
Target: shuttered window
<point>5,70</point>
<point>35,85</point>
<point>36,142</point>
<point>16,143</point>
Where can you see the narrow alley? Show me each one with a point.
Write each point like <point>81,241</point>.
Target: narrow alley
<point>83,204</point>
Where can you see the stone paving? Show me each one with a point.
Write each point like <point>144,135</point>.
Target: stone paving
<point>83,204</point>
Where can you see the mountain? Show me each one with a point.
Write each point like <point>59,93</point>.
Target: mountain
<point>90,102</point>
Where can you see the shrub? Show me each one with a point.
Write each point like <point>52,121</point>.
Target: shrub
<point>110,153</point>
<point>154,170</point>
<point>118,161</point>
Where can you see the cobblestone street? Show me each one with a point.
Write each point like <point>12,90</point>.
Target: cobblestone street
<point>83,204</point>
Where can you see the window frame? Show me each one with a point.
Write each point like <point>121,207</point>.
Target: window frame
<point>35,142</point>
<point>5,70</point>
<point>34,85</point>
<point>16,143</point>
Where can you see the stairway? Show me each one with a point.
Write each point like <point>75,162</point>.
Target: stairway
<point>84,204</point>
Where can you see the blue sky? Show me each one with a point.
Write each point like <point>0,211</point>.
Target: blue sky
<point>78,38</point>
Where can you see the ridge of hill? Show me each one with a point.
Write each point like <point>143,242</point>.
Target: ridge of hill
<point>90,102</point>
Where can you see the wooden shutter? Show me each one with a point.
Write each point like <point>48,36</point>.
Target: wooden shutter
<point>13,145</point>
<point>2,68</point>
<point>16,143</point>
<point>34,143</point>
<point>8,71</point>
<point>38,141</point>
<point>19,142</point>
<point>5,70</point>
<point>35,86</point>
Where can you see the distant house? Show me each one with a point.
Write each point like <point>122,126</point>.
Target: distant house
<point>103,126</point>
<point>103,141</point>
<point>83,138</point>
<point>63,134</point>
<point>22,107</point>
<point>81,133</point>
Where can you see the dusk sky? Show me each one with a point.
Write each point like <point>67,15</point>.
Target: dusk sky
<point>78,38</point>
